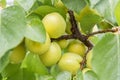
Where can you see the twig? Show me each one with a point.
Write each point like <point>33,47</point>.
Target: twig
<point>103,31</point>
<point>63,37</point>
<point>76,34</point>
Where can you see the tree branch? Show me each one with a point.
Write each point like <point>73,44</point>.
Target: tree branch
<point>76,34</point>
<point>102,31</point>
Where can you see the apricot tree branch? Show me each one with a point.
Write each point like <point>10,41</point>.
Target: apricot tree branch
<point>102,31</point>
<point>76,34</point>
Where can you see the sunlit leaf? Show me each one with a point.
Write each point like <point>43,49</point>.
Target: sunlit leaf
<point>106,9</point>
<point>90,75</point>
<point>43,10</point>
<point>12,29</point>
<point>76,5</point>
<point>106,61</point>
<point>64,76</point>
<point>35,29</point>
<point>26,4</point>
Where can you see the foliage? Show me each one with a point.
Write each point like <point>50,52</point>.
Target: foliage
<point>23,19</point>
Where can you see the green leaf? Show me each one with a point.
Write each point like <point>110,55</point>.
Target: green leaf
<point>35,6</point>
<point>76,5</point>
<point>48,2</point>
<point>106,61</point>
<point>10,70</point>
<point>16,76</point>
<point>92,3</point>
<point>79,76</point>
<point>54,70</point>
<point>44,10</point>
<point>4,61</point>
<point>90,75</point>
<point>33,63</point>
<point>105,25</point>
<point>64,76</point>
<point>46,77</point>
<point>12,28</point>
<point>0,77</point>
<point>106,9</point>
<point>26,4</point>
<point>18,73</point>
<point>88,18</point>
<point>35,29</point>
<point>27,75</point>
<point>117,13</point>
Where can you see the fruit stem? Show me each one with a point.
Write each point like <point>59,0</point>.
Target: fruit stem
<point>83,63</point>
<point>76,34</point>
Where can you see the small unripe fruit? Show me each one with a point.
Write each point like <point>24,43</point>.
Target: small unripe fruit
<point>77,47</point>
<point>54,24</point>
<point>68,26</point>
<point>52,56</point>
<point>18,54</point>
<point>70,62</point>
<point>89,58</point>
<point>36,47</point>
<point>63,43</point>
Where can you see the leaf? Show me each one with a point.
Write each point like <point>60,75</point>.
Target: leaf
<point>79,76</point>
<point>88,18</point>
<point>48,2</point>
<point>76,5</point>
<point>93,3</point>
<point>35,29</point>
<point>0,77</point>
<point>64,76</point>
<point>26,4</point>
<point>12,28</point>
<point>54,70</point>
<point>27,75</point>
<point>33,63</point>
<point>90,75</point>
<point>117,13</point>
<point>10,70</point>
<point>19,74</point>
<point>106,61</point>
<point>16,76</point>
<point>106,9</point>
<point>105,25</point>
<point>44,10</point>
<point>46,77</point>
<point>4,61</point>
